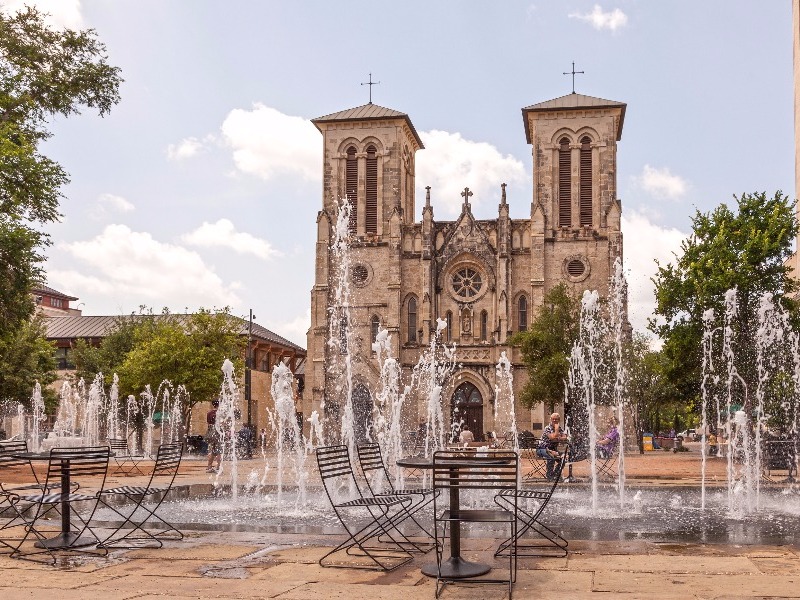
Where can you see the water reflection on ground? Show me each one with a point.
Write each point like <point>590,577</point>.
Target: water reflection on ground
<point>664,514</point>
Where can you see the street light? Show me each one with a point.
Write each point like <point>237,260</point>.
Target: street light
<point>248,364</point>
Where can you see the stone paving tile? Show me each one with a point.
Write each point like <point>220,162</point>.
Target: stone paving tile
<point>541,563</point>
<point>543,583</point>
<point>778,566</point>
<point>622,547</point>
<point>167,568</point>
<point>195,587</point>
<point>699,585</point>
<point>301,554</point>
<point>663,564</point>
<point>197,551</point>
<point>47,578</point>
<point>404,576</point>
<point>76,594</point>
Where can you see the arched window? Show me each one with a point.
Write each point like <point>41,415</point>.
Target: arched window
<point>448,334</point>
<point>372,191</point>
<point>586,181</point>
<point>564,183</point>
<point>484,325</point>
<point>351,187</point>
<point>522,314</point>
<point>375,326</point>
<point>412,319</point>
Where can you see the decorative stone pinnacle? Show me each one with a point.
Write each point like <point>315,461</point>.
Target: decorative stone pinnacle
<point>503,193</point>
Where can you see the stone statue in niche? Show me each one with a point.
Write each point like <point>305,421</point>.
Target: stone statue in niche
<point>466,321</point>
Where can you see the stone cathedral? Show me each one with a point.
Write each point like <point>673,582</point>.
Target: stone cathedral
<point>485,277</point>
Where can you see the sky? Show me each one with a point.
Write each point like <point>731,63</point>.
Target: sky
<point>202,186</point>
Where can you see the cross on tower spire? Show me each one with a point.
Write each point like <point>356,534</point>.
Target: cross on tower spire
<point>573,73</point>
<point>370,83</point>
<point>466,195</point>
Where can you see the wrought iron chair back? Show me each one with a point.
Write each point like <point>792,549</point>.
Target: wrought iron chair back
<point>162,479</point>
<point>382,514</point>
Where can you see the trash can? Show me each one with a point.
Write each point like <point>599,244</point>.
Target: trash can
<point>647,442</point>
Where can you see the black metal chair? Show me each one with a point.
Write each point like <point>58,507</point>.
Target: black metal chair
<point>379,483</point>
<point>380,514</point>
<point>127,462</point>
<point>65,469</point>
<point>8,461</point>
<point>606,461</point>
<point>537,464</point>
<point>454,472</point>
<point>530,519</point>
<point>128,500</point>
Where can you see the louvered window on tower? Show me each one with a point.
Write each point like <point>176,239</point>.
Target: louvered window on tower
<point>564,184</point>
<point>522,314</point>
<point>586,181</point>
<point>351,187</point>
<point>372,191</point>
<point>412,319</point>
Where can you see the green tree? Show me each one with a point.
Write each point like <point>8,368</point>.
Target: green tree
<point>27,358</point>
<point>746,250</point>
<point>43,73</point>
<point>546,347</point>
<point>187,352</point>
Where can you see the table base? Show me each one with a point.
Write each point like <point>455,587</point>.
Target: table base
<point>65,540</point>
<point>456,568</point>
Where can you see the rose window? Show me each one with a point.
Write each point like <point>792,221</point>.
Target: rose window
<point>467,283</point>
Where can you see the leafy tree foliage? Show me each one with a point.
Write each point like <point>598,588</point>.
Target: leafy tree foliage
<point>147,349</point>
<point>27,358</point>
<point>43,73</point>
<point>746,250</point>
<point>546,347</point>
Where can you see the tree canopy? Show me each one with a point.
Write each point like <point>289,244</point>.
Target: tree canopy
<point>27,357</point>
<point>546,347</point>
<point>43,73</point>
<point>745,249</point>
<point>147,349</point>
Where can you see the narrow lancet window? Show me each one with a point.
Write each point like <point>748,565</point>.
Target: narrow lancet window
<point>564,184</point>
<point>586,181</point>
<point>412,319</point>
<point>351,187</point>
<point>522,314</point>
<point>372,191</point>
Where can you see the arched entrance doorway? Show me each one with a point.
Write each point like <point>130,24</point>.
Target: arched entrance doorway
<point>362,412</point>
<point>467,404</point>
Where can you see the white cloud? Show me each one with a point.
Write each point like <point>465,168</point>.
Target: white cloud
<point>450,163</point>
<point>131,268</point>
<point>188,148</point>
<point>598,19</point>
<point>266,143</point>
<point>661,183</point>
<point>63,13</point>
<point>294,330</point>
<point>109,204</point>
<point>644,242</point>
<point>224,234</point>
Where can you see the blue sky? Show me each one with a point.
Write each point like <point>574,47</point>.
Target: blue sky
<point>202,186</point>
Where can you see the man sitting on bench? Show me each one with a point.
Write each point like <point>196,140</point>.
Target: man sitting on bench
<point>548,444</point>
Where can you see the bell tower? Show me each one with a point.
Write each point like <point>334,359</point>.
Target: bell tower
<point>368,159</point>
<point>575,213</point>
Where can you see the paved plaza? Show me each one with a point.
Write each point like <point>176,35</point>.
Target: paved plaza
<point>214,564</point>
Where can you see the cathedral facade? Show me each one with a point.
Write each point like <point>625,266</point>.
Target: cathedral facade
<point>486,278</point>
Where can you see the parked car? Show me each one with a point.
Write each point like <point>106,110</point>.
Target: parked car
<point>689,435</point>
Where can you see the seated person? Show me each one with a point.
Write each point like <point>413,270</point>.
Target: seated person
<point>548,444</point>
<point>608,443</point>
<point>465,437</point>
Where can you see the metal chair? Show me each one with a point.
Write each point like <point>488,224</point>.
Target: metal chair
<point>538,465</point>
<point>530,519</point>
<point>8,461</point>
<point>382,514</point>
<point>606,461</point>
<point>127,462</point>
<point>65,468</point>
<point>168,461</point>
<point>380,484</point>
<point>458,471</point>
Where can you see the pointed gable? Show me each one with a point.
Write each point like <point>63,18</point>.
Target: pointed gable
<point>467,237</point>
<point>368,112</point>
<point>573,102</point>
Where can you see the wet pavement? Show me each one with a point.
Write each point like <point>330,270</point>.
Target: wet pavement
<point>270,564</point>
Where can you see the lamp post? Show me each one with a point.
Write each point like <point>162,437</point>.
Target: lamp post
<point>248,364</point>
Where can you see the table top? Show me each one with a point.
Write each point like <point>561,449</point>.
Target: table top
<point>426,462</point>
<point>42,455</point>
